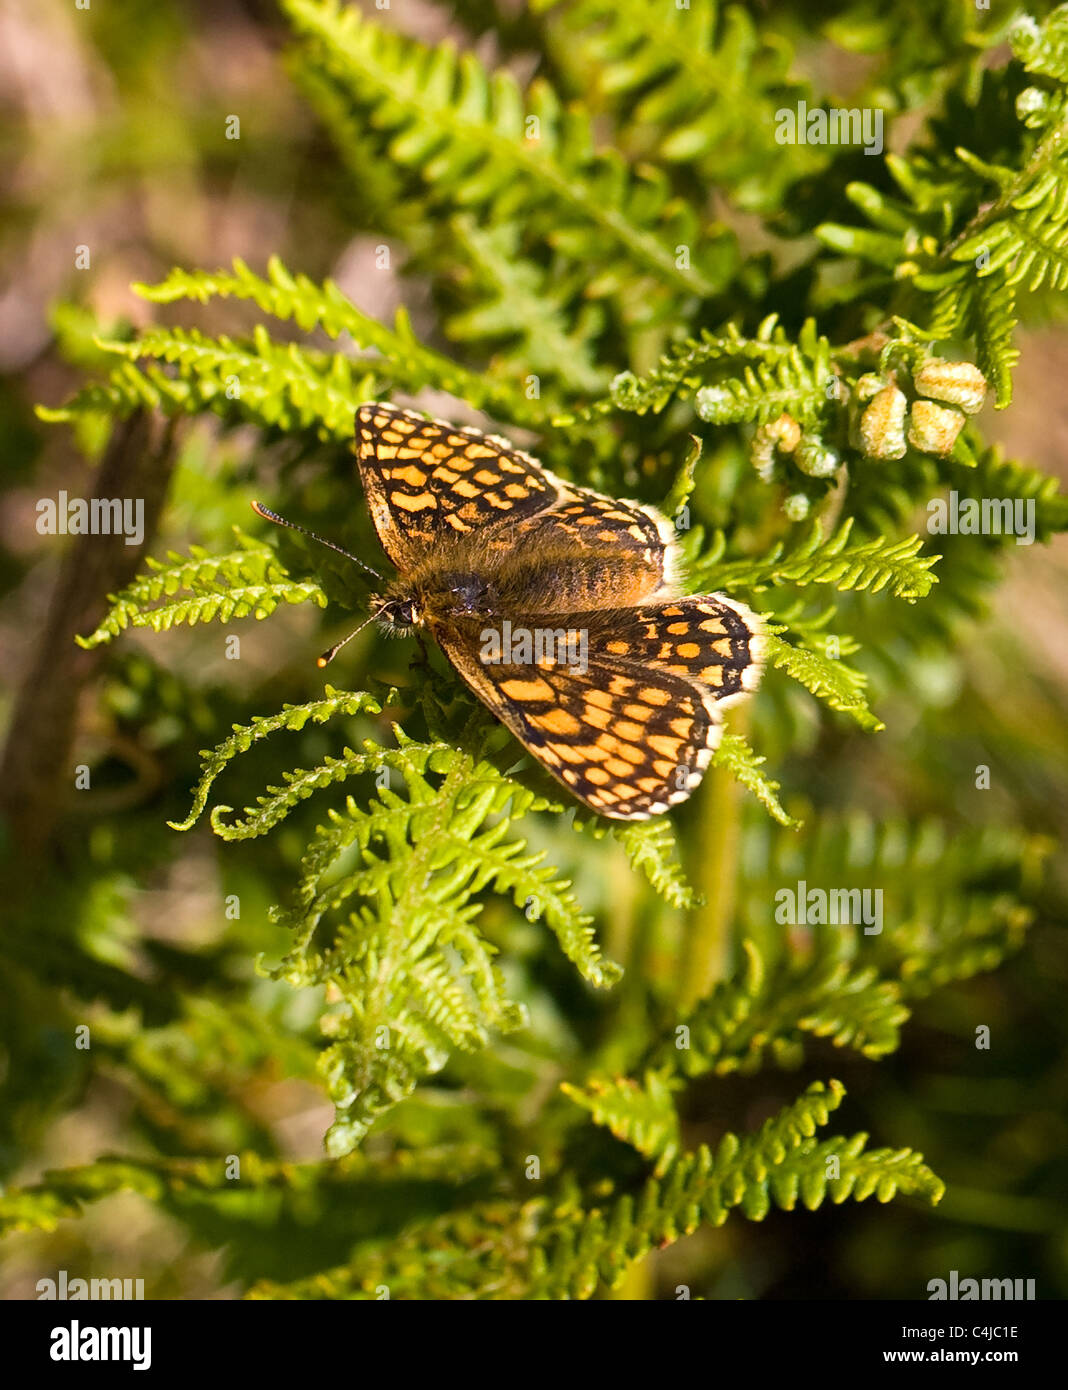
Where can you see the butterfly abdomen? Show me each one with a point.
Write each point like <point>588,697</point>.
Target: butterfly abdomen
<point>537,579</point>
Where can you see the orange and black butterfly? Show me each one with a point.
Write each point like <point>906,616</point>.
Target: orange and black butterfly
<point>560,607</point>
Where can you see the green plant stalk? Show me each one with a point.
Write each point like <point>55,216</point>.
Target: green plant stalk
<point>704,954</point>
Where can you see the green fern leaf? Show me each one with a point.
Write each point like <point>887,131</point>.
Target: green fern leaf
<point>642,1115</point>
<point>831,680</point>
<point>402,359</point>
<point>735,754</point>
<point>566,1247</point>
<point>292,717</point>
<point>248,581</point>
<point>873,565</point>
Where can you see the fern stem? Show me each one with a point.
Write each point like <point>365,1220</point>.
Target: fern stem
<point>717,839</point>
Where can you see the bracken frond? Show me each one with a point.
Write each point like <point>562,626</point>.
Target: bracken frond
<point>247,582</point>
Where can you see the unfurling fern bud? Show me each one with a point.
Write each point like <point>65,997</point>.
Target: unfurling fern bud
<point>868,385</point>
<point>933,429</point>
<point>816,458</point>
<point>1025,36</point>
<point>1032,106</point>
<point>715,404</point>
<point>882,426</point>
<point>783,433</point>
<point>623,389</point>
<point>796,507</point>
<point>958,383</point>
<point>786,432</point>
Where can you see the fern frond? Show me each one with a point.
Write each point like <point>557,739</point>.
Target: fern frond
<point>873,565</point>
<point>272,385</point>
<point>402,359</point>
<point>839,684</point>
<point>127,389</point>
<point>566,1248</point>
<point>1031,248</point>
<point>1043,48</point>
<point>444,844</point>
<point>292,717</point>
<point>774,374</point>
<point>640,1114</point>
<point>770,1012</point>
<point>970,231</point>
<point>255,1190</point>
<point>478,143</point>
<point>204,588</point>
<point>693,85</point>
<point>416,977</point>
<point>983,307</point>
<point>996,476</point>
<point>971,936</point>
<point>959,904</point>
<point>653,850</point>
<point>526,310</point>
<point>737,757</point>
<point>278,385</point>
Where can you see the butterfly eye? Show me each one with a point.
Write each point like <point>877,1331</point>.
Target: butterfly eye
<point>396,612</point>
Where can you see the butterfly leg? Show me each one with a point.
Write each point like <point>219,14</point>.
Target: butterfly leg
<point>421,660</point>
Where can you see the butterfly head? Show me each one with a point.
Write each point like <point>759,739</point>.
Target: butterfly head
<point>444,595</point>
<point>397,614</point>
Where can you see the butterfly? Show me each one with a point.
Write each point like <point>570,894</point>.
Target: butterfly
<point>560,607</point>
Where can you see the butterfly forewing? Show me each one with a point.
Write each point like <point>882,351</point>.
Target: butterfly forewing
<point>426,480</point>
<point>636,542</point>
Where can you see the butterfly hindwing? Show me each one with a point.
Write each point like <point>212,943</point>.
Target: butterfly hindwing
<point>622,710</point>
<point>707,638</point>
<point>570,721</point>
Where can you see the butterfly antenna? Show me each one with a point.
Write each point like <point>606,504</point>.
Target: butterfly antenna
<point>292,525</point>
<point>328,656</point>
